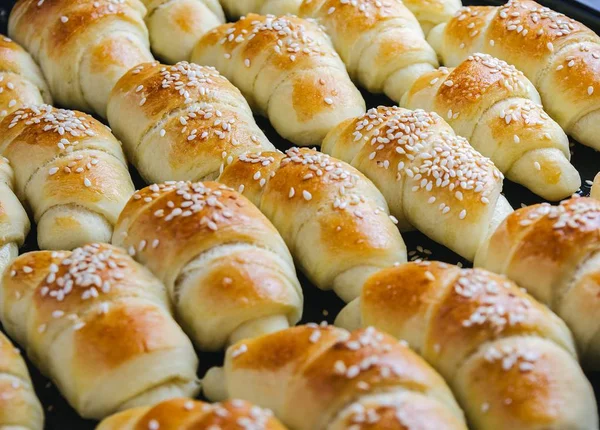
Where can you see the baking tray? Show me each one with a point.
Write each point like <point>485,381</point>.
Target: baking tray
<point>324,306</point>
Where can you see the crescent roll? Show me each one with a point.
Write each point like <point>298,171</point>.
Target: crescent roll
<point>176,25</point>
<point>227,270</point>
<point>19,405</point>
<point>82,46</point>
<point>70,170</point>
<point>182,122</point>
<point>554,252</point>
<point>288,71</point>
<point>99,325</point>
<point>381,43</point>
<point>21,80</point>
<point>510,361</point>
<point>333,219</point>
<point>559,55</point>
<point>316,378</point>
<point>498,110</point>
<point>595,193</point>
<point>186,414</point>
<point>432,179</point>
<point>14,222</point>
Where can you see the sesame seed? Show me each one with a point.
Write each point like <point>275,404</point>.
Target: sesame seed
<point>64,19</point>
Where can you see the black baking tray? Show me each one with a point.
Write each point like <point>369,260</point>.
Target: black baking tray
<point>324,306</point>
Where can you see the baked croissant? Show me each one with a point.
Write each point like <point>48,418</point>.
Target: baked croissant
<point>333,219</point>
<point>431,178</point>
<point>239,8</point>
<point>227,270</point>
<point>21,80</point>
<point>317,378</point>
<point>559,55</point>
<point>497,109</point>
<point>510,361</point>
<point>70,170</point>
<point>288,71</point>
<point>99,325</point>
<point>554,252</point>
<point>176,25</point>
<point>14,222</point>
<point>432,12</point>
<point>595,193</point>
<point>82,46</point>
<point>181,122</point>
<point>381,43</point>
<point>186,414</point>
<point>19,405</point>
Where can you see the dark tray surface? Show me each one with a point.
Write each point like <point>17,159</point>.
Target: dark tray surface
<point>324,306</point>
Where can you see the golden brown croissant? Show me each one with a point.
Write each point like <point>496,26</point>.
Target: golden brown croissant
<point>431,178</point>
<point>71,172</point>
<point>176,25</point>
<point>333,219</point>
<point>559,55</point>
<point>187,414</point>
<point>498,110</point>
<point>381,43</point>
<point>82,46</point>
<point>20,408</point>
<point>316,378</point>
<point>99,325</point>
<point>182,122</point>
<point>227,270</point>
<point>288,71</point>
<point>554,252</point>
<point>21,80</point>
<point>510,361</point>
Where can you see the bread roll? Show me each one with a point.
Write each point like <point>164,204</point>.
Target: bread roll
<point>99,325</point>
<point>82,46</point>
<point>510,361</point>
<point>317,378</point>
<point>21,81</point>
<point>70,171</point>
<point>227,270</point>
<point>333,219</point>
<point>288,71</point>
<point>182,122</point>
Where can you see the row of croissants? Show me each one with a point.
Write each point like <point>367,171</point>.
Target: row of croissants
<point>129,285</point>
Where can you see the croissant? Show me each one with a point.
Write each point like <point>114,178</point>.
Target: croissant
<point>510,361</point>
<point>333,219</point>
<point>181,122</point>
<point>431,178</point>
<point>21,81</point>
<point>227,270</point>
<point>316,378</point>
<point>595,193</point>
<point>497,109</point>
<point>99,325</point>
<point>186,414</point>
<point>381,43</point>
<point>239,8</point>
<point>558,54</point>
<point>288,70</point>
<point>553,252</point>
<point>70,170</point>
<point>83,47</point>
<point>176,25</point>
<point>19,406</point>
<point>14,222</point>
<point>432,12</point>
